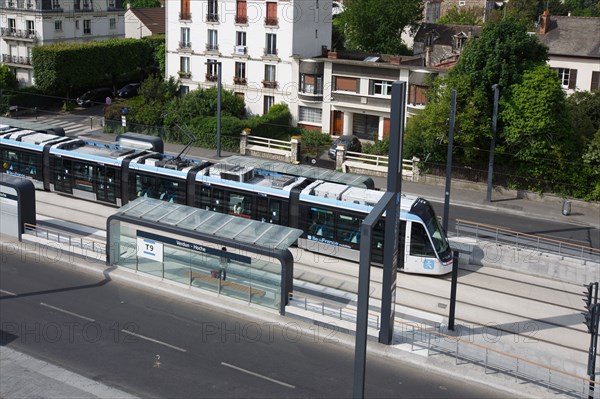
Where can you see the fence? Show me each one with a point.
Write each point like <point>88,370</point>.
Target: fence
<point>263,147</point>
<point>377,165</point>
<point>432,339</point>
<point>72,240</point>
<point>526,241</point>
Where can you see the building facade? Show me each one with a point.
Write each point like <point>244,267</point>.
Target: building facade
<point>258,44</point>
<point>28,23</point>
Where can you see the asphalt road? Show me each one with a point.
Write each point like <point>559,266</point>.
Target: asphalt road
<point>155,346</point>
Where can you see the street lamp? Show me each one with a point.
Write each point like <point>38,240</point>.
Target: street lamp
<point>218,63</point>
<point>493,142</point>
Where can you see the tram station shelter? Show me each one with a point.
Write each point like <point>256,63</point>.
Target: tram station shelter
<point>227,255</point>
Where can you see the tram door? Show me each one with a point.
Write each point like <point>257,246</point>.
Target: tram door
<point>262,213</point>
<point>105,184</point>
<point>63,176</point>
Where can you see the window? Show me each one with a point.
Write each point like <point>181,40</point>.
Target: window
<point>112,23</point>
<point>567,77</point>
<point>348,229</point>
<point>12,25</point>
<point>76,24</point>
<point>240,38</point>
<point>184,64</point>
<point>268,103</point>
<point>345,84</point>
<point>185,13</point>
<point>183,90</point>
<point>417,95</point>
<point>213,40</point>
<point>270,73</point>
<point>240,73</point>
<point>213,12</point>
<point>111,4</point>
<point>432,12</point>
<point>271,19</point>
<point>55,4</point>
<point>311,84</point>
<point>211,71</point>
<point>271,44</point>
<point>595,81</point>
<point>320,224</point>
<point>31,28</point>
<point>241,16</point>
<point>380,88</point>
<point>419,241</point>
<point>185,38</point>
<point>87,26</point>
<point>86,4</point>
<point>311,115</point>
<point>458,42</point>
<point>58,26</point>
<point>83,175</point>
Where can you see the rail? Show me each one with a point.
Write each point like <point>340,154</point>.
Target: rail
<point>66,238</point>
<point>270,143</point>
<point>425,337</point>
<point>526,241</point>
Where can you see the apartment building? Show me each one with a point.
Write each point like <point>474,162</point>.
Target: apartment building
<point>28,23</point>
<point>258,43</point>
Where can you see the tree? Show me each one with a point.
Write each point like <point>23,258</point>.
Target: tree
<point>536,126</point>
<point>144,3</point>
<point>376,25</point>
<point>460,16</point>
<point>8,80</point>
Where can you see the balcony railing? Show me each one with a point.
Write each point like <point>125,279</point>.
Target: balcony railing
<point>84,8</point>
<point>238,80</point>
<point>212,47</point>
<point>18,33</point>
<point>185,16</point>
<point>184,74</point>
<point>270,52</point>
<point>240,50</point>
<point>212,17</point>
<point>271,21</point>
<point>15,59</point>
<point>211,77</point>
<point>269,84</point>
<point>241,19</point>
<point>185,45</point>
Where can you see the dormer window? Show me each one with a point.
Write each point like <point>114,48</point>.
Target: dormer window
<point>458,42</point>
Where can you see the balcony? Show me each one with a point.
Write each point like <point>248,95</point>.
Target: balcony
<point>241,19</point>
<point>212,17</point>
<point>185,16</point>
<point>269,84</point>
<point>271,21</point>
<point>211,77</point>
<point>240,50</point>
<point>270,52</point>
<point>185,46</point>
<point>184,74</point>
<point>19,34</point>
<point>238,80</point>
<point>84,8</point>
<point>212,47</point>
<point>15,59</point>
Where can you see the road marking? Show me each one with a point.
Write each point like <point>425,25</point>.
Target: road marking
<point>67,312</point>
<point>153,340</point>
<point>8,293</point>
<point>264,377</point>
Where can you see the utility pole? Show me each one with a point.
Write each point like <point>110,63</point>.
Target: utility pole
<point>493,143</point>
<point>449,159</point>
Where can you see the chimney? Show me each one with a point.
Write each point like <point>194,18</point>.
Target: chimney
<point>545,22</point>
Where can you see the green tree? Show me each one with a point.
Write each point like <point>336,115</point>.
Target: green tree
<point>156,90</point>
<point>144,3</point>
<point>535,131</point>
<point>460,16</point>
<point>376,25</point>
<point>8,80</point>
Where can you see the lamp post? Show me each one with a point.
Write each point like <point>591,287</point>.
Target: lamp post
<point>218,64</point>
<point>449,160</point>
<point>493,142</point>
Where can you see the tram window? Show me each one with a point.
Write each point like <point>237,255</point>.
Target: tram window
<point>320,222</point>
<point>167,190</point>
<point>275,212</point>
<point>240,205</point>
<point>419,241</point>
<point>24,163</point>
<point>83,174</point>
<point>348,228</point>
<point>217,202</point>
<point>203,197</point>
<point>145,186</point>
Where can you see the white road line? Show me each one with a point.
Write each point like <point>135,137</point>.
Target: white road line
<point>8,293</point>
<point>153,340</point>
<point>257,375</point>
<point>67,312</point>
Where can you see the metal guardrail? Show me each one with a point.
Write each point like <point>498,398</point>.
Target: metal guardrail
<point>537,243</point>
<point>66,238</point>
<point>431,339</point>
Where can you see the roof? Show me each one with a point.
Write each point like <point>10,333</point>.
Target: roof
<point>573,36</point>
<point>152,18</point>
<point>442,34</point>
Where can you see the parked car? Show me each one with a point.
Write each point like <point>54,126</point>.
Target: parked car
<point>93,97</point>
<point>350,143</point>
<point>129,90</point>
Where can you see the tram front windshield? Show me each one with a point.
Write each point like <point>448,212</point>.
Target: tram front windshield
<point>424,210</point>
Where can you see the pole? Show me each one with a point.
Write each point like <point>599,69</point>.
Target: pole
<point>449,159</point>
<point>453,290</point>
<point>493,142</point>
<point>593,349</point>
<point>218,110</point>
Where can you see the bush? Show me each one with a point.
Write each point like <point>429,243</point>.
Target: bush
<point>313,142</point>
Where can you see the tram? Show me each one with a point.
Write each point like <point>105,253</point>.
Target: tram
<point>329,213</point>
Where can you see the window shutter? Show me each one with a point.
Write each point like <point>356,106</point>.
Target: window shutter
<point>271,10</point>
<point>573,79</point>
<point>241,9</point>
<point>346,84</point>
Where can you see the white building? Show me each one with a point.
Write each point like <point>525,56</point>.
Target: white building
<point>28,23</point>
<point>259,44</point>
